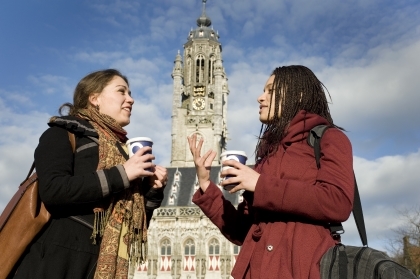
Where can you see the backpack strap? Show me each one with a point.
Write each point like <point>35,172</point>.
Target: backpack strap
<point>314,140</point>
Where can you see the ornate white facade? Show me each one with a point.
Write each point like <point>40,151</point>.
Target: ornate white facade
<point>182,242</point>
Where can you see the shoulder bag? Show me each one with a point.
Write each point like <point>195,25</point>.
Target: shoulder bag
<point>349,262</point>
<point>22,219</point>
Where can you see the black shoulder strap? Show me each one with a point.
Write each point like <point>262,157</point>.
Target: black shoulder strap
<point>314,140</point>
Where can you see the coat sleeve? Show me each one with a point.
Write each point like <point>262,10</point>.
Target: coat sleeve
<point>152,198</point>
<point>324,195</point>
<point>233,223</point>
<point>58,186</point>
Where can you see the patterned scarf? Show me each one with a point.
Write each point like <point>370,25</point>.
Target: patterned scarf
<point>122,222</point>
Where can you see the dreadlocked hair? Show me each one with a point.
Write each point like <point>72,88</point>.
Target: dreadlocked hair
<point>295,88</point>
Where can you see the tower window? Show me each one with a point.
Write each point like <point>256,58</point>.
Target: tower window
<point>199,69</point>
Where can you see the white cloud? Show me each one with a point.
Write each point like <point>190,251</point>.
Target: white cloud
<point>19,137</point>
<point>386,185</point>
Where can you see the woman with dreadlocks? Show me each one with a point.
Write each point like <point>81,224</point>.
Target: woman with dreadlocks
<point>100,200</point>
<point>282,223</point>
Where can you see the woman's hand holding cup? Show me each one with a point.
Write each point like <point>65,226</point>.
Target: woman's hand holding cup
<point>140,164</point>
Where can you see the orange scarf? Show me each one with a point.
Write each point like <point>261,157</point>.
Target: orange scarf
<point>122,222</point>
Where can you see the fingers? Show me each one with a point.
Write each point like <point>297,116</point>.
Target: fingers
<point>209,158</point>
<point>194,147</point>
<point>160,177</point>
<point>143,151</point>
<point>232,163</point>
<point>161,173</point>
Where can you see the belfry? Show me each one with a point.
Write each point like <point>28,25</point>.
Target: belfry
<point>200,94</point>
<point>182,241</point>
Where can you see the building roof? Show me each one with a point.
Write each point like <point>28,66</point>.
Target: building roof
<point>203,31</point>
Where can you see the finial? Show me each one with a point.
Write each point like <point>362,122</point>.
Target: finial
<point>204,20</point>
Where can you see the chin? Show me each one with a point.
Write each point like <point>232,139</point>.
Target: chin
<point>124,123</point>
<point>264,121</point>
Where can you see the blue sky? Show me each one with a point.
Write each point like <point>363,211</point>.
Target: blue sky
<point>365,52</point>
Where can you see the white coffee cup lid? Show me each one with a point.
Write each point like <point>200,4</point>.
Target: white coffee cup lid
<point>139,139</point>
<point>233,152</point>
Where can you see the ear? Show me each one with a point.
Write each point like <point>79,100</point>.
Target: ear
<point>93,99</point>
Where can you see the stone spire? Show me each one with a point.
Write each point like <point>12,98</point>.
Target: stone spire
<point>204,20</point>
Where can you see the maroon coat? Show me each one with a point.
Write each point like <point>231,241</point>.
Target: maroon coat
<point>283,225</point>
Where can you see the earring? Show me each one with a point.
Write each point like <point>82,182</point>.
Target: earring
<point>97,107</point>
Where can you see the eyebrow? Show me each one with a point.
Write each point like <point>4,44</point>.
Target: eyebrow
<point>125,87</point>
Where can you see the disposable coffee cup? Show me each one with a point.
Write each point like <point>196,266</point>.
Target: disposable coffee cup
<point>134,144</point>
<point>237,155</point>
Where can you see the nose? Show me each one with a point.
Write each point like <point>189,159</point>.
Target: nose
<point>260,98</point>
<point>130,100</point>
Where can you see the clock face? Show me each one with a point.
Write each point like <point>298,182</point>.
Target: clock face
<point>198,104</point>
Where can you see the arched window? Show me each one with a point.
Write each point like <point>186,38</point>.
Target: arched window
<point>214,248</point>
<point>189,256</point>
<point>211,69</point>
<point>189,71</point>
<point>214,255</point>
<point>189,248</point>
<point>165,255</point>
<point>199,70</point>
<point>165,248</point>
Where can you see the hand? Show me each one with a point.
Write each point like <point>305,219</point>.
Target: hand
<point>242,174</point>
<point>159,178</point>
<point>202,163</point>
<point>140,164</point>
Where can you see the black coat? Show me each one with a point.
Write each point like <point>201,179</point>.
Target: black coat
<point>70,185</point>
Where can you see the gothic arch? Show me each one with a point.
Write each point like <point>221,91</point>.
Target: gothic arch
<point>189,69</point>
<point>212,60</point>
<point>189,255</point>
<point>189,247</point>
<point>165,253</point>
<point>200,67</point>
<point>165,247</point>
<point>213,252</point>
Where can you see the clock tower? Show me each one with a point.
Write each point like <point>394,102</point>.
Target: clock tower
<point>200,91</point>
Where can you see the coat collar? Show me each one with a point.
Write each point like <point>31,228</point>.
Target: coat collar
<point>75,125</point>
<point>300,125</point>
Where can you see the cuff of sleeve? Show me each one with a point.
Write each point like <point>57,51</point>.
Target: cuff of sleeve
<point>124,176</point>
<point>113,180</point>
<point>208,199</point>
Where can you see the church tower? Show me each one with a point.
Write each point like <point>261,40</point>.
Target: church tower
<point>182,242</point>
<point>200,91</point>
